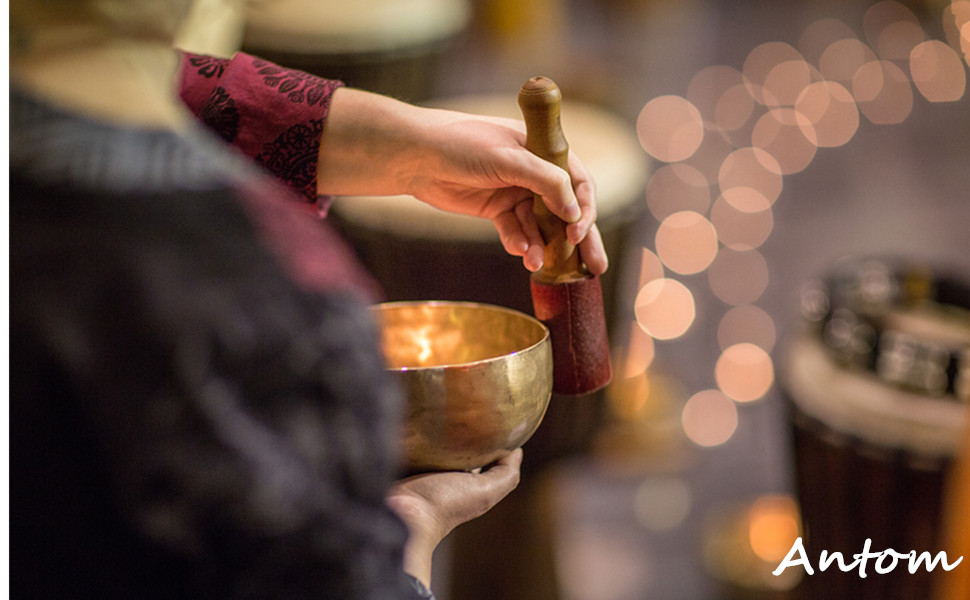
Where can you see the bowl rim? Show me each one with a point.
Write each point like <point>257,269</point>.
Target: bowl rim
<point>376,308</point>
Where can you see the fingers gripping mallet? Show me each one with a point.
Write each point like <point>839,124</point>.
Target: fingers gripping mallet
<point>565,296</point>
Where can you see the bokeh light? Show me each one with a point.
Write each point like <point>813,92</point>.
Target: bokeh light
<point>785,82</point>
<point>746,323</point>
<point>956,26</point>
<point>937,71</point>
<point>720,95</point>
<point>744,372</point>
<point>664,308</point>
<point>650,267</point>
<point>759,64</point>
<point>752,168</point>
<point>788,136</point>
<point>670,128</point>
<point>773,527</point>
<point>734,108</point>
<point>676,187</point>
<point>883,92</point>
<point>733,138</point>
<point>708,85</point>
<point>686,242</point>
<point>843,59</point>
<point>891,29</point>
<point>738,276</point>
<point>821,34</point>
<point>831,111</point>
<point>709,418</point>
<point>738,228</point>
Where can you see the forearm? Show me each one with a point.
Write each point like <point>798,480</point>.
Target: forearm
<point>371,144</point>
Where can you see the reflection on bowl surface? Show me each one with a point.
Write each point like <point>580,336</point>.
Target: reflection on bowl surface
<point>477,377</point>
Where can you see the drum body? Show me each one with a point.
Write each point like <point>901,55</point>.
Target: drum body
<point>391,47</point>
<point>872,456</point>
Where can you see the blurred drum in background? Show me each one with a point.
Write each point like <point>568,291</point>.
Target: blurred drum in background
<point>878,386</point>
<point>386,46</point>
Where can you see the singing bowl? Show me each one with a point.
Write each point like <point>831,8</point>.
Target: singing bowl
<point>477,377</point>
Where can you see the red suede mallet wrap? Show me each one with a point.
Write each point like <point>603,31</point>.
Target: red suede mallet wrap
<point>580,348</point>
<point>565,295</point>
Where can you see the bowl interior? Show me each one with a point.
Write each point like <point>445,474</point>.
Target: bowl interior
<point>418,335</point>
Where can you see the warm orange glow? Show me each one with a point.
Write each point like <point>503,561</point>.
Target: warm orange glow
<point>760,62</point>
<point>745,199</point>
<point>773,527</point>
<point>883,92</point>
<point>670,128</point>
<point>738,276</point>
<point>831,111</point>
<point>677,187</point>
<point>788,136</point>
<point>956,26</point>
<point>843,58</point>
<point>650,268</point>
<point>744,372</point>
<point>746,323</point>
<point>751,168</point>
<point>785,82</point>
<point>664,308</point>
<point>891,29</point>
<point>709,418</point>
<point>686,242</point>
<point>639,352</point>
<point>938,72</point>
<point>742,229</point>
<point>820,35</point>
<point>734,108</point>
<point>628,396</point>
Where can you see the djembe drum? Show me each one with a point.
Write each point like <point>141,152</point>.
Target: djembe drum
<point>386,46</point>
<point>419,253</point>
<point>879,391</point>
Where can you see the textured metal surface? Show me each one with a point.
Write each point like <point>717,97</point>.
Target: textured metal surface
<point>478,379</point>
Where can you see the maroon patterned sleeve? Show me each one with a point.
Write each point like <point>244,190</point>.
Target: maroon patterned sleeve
<point>272,114</point>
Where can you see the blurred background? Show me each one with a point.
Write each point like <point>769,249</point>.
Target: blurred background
<point>744,149</point>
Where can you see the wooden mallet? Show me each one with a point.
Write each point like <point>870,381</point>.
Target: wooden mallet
<point>565,295</point>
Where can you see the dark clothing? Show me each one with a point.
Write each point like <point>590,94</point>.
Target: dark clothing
<point>198,407</point>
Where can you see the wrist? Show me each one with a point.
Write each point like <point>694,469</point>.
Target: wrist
<point>418,556</point>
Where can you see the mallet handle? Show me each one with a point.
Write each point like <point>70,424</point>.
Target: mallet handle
<point>540,100</point>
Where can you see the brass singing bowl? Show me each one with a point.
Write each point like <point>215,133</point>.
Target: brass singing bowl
<point>478,379</point>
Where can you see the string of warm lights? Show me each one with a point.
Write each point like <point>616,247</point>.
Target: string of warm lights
<point>727,145</point>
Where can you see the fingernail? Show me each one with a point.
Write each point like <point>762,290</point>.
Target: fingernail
<point>573,212</point>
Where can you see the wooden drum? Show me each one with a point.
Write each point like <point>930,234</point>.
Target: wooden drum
<point>879,399</point>
<point>387,46</point>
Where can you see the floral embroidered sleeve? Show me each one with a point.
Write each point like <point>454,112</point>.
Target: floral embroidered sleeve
<point>272,114</point>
